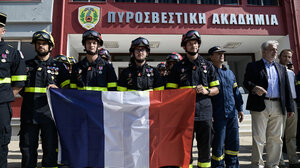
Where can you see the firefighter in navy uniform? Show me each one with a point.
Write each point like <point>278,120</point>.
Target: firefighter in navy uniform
<point>93,73</point>
<point>196,72</point>
<point>162,69</point>
<point>104,54</point>
<point>42,73</point>
<point>12,77</point>
<point>171,60</point>
<point>227,110</point>
<point>67,61</point>
<point>139,75</point>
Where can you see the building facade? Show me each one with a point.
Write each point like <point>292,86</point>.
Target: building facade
<point>239,26</point>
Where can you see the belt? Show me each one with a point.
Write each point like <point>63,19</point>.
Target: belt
<point>272,99</point>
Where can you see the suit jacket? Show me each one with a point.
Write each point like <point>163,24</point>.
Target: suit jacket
<point>256,75</point>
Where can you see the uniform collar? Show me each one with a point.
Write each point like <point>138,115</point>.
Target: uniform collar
<point>38,61</point>
<point>2,42</point>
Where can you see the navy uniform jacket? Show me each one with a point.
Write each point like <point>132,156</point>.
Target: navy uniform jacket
<point>40,74</point>
<point>186,74</point>
<point>12,71</point>
<point>229,100</point>
<point>140,78</point>
<point>256,75</point>
<point>97,76</point>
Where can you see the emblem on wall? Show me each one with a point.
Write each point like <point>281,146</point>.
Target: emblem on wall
<point>88,16</point>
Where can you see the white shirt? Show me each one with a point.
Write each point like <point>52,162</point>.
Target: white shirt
<point>291,75</point>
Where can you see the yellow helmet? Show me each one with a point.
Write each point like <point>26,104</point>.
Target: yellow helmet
<point>43,35</point>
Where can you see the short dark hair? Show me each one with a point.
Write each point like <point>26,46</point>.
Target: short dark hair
<point>286,50</point>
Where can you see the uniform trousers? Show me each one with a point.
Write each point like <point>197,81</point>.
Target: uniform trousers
<point>29,141</point>
<point>226,135</point>
<point>203,130</point>
<point>5,132</point>
<point>290,133</point>
<point>267,127</point>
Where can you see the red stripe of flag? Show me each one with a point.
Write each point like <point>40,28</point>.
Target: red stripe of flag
<point>171,127</point>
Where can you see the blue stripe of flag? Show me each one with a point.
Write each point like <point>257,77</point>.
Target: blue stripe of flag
<point>75,120</point>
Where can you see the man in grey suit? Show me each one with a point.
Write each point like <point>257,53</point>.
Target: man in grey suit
<point>269,100</point>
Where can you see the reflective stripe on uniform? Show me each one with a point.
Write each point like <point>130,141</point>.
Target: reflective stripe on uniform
<point>66,82</point>
<point>112,84</point>
<point>5,80</point>
<point>172,85</point>
<point>204,164</point>
<point>18,78</point>
<point>73,86</point>
<point>159,88</point>
<point>92,88</point>
<point>185,87</point>
<point>229,152</point>
<point>214,83</point>
<point>120,88</point>
<point>217,158</point>
<point>298,83</point>
<point>235,85</point>
<point>131,90</point>
<point>35,90</point>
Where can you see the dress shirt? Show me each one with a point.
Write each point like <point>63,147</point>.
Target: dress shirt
<point>273,84</point>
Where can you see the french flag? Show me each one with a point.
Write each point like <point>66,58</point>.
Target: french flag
<point>134,129</point>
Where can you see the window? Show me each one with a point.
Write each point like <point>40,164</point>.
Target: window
<point>230,2</point>
<point>189,1</point>
<point>25,46</point>
<point>264,2</point>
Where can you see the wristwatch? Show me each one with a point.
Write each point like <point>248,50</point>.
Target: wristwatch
<point>208,92</point>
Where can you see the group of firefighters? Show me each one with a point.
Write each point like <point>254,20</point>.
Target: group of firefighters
<point>218,100</point>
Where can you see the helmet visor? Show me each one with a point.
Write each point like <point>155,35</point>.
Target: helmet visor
<point>41,36</point>
<point>90,33</point>
<point>173,57</point>
<point>191,34</point>
<point>139,41</point>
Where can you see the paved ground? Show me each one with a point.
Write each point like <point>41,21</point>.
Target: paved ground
<point>14,158</point>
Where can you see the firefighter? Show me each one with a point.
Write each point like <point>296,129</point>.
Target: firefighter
<point>104,54</point>
<point>67,61</point>
<point>227,110</point>
<point>196,72</point>
<point>12,77</point>
<point>171,60</point>
<point>162,69</point>
<point>42,73</point>
<point>93,73</point>
<point>139,75</point>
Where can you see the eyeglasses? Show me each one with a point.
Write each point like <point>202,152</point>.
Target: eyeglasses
<point>140,40</point>
<point>91,33</point>
<point>192,33</point>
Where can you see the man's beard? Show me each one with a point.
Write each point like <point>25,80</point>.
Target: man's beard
<point>140,60</point>
<point>42,54</point>
<point>192,53</point>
